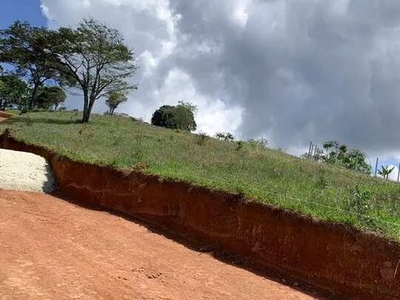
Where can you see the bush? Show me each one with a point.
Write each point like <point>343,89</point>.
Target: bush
<point>360,204</point>
<point>227,137</point>
<point>179,117</point>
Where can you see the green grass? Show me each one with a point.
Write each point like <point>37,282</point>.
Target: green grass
<point>270,176</point>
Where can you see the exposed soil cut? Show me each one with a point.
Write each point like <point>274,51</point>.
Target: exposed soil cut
<point>53,249</point>
<point>334,257</point>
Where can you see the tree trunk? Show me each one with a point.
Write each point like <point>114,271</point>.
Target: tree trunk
<point>88,109</point>
<point>33,96</point>
<point>86,116</point>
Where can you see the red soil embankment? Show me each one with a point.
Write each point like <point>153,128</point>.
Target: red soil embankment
<point>334,257</point>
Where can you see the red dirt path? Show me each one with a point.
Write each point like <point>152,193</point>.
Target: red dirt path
<point>53,249</point>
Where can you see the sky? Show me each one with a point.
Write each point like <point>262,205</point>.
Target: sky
<point>24,10</point>
<point>288,71</point>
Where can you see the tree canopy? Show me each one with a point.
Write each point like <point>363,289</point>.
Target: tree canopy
<point>335,153</point>
<point>13,91</point>
<point>175,117</point>
<point>114,100</point>
<point>96,57</point>
<point>92,57</point>
<point>50,96</point>
<point>23,46</point>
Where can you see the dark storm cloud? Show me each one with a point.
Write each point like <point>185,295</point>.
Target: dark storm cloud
<point>302,70</point>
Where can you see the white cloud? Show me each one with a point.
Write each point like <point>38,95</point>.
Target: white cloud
<point>394,174</point>
<point>291,71</point>
<point>212,114</point>
<point>150,29</point>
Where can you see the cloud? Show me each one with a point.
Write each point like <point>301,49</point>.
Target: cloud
<point>394,174</point>
<point>291,71</point>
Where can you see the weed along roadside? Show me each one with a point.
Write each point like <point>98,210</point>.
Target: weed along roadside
<point>334,257</point>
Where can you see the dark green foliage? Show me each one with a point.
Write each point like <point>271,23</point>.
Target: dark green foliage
<point>179,117</point>
<point>335,153</point>
<point>95,57</point>
<point>227,137</point>
<point>360,203</point>
<point>239,145</point>
<point>13,91</point>
<point>164,117</point>
<point>49,96</point>
<point>23,46</point>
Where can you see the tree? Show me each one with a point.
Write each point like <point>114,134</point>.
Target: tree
<point>23,46</point>
<point>164,117</point>
<point>175,117</point>
<point>114,100</point>
<point>96,57</point>
<point>335,153</point>
<point>50,96</point>
<point>12,91</point>
<point>184,116</point>
<point>385,171</point>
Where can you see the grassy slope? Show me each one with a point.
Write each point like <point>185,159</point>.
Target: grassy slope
<point>270,176</point>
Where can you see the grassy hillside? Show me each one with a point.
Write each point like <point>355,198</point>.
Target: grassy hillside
<point>323,192</point>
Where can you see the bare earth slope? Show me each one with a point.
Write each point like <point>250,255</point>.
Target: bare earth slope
<point>52,249</point>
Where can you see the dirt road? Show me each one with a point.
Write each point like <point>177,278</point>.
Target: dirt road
<point>53,249</point>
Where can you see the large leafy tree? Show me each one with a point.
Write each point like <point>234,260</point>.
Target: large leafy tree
<point>114,100</point>
<point>23,46</point>
<point>175,117</point>
<point>13,91</point>
<point>96,57</point>
<point>50,96</point>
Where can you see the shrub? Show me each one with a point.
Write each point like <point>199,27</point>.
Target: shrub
<point>228,137</point>
<point>239,145</point>
<point>179,117</point>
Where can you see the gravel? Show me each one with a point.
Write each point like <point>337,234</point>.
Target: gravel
<point>23,171</point>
